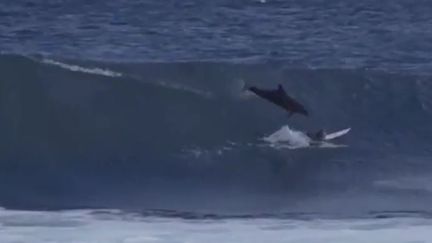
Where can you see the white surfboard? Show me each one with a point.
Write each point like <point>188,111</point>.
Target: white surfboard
<point>337,134</point>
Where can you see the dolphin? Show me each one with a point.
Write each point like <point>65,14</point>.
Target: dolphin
<point>280,98</point>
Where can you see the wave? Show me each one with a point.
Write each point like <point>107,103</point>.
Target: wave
<point>293,138</point>
<point>183,135</point>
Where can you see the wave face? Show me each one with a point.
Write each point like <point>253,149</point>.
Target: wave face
<point>183,136</point>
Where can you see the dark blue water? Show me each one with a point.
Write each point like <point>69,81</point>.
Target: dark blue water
<point>138,104</point>
<point>391,35</point>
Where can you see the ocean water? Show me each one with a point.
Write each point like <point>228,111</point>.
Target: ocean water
<point>113,226</point>
<point>126,121</point>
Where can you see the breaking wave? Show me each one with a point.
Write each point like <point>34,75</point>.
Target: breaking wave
<point>77,133</point>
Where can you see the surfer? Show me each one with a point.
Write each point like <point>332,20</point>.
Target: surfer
<point>280,98</point>
<point>320,135</point>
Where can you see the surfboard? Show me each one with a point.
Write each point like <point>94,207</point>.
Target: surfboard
<point>337,134</point>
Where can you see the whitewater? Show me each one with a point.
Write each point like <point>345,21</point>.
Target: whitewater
<point>111,226</point>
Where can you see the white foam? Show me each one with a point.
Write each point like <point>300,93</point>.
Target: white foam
<point>423,183</point>
<point>76,68</point>
<point>110,73</point>
<point>117,228</point>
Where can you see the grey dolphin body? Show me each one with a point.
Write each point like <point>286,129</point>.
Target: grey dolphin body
<point>280,98</point>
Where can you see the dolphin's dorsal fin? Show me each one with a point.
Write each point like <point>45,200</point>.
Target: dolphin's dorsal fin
<point>280,88</point>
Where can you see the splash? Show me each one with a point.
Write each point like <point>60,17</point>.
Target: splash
<point>286,136</point>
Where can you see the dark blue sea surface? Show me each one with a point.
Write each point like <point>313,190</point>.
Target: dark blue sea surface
<point>389,34</point>
<point>138,105</point>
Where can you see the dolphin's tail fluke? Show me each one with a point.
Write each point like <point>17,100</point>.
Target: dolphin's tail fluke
<point>244,86</point>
